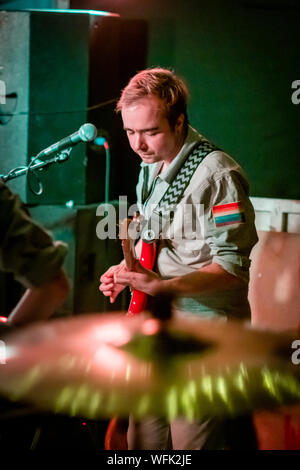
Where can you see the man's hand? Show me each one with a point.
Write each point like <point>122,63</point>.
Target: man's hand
<point>108,286</point>
<point>116,278</point>
<point>139,278</point>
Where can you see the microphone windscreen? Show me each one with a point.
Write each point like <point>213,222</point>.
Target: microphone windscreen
<point>88,132</point>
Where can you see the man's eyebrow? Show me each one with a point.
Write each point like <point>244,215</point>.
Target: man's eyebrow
<point>147,129</point>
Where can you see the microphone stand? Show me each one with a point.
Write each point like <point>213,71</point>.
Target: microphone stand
<point>39,165</point>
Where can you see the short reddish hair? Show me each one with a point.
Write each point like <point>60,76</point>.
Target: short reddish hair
<point>162,83</point>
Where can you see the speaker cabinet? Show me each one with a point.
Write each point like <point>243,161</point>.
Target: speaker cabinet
<point>48,60</point>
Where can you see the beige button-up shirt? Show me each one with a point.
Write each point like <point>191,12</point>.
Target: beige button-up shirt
<point>198,235</point>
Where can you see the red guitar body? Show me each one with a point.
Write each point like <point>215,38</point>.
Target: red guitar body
<point>116,434</point>
<point>139,299</point>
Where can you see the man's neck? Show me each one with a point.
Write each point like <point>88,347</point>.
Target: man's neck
<point>166,163</point>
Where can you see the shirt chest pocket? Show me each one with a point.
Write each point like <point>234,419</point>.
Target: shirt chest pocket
<point>189,224</point>
<point>192,248</point>
<point>188,239</point>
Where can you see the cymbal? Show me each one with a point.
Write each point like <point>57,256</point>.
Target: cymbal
<point>98,365</point>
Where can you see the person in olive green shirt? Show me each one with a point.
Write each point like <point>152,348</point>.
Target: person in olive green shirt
<point>35,259</point>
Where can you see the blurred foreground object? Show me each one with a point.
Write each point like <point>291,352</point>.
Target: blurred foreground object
<point>96,366</point>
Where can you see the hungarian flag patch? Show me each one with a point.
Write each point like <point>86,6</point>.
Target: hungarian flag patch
<point>229,214</point>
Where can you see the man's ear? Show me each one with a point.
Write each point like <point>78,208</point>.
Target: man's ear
<point>179,123</point>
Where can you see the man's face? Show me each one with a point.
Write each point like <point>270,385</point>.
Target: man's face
<point>149,132</point>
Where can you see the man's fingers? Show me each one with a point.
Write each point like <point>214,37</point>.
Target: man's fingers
<point>115,292</point>
<point>107,293</point>
<point>122,278</point>
<point>106,278</point>
<point>108,275</point>
<point>106,287</point>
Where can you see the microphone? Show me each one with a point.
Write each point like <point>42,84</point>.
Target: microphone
<point>86,133</point>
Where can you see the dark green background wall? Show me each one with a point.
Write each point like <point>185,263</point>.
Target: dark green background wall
<point>240,58</point>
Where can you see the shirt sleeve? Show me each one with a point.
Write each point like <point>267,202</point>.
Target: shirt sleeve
<point>26,249</point>
<point>229,223</point>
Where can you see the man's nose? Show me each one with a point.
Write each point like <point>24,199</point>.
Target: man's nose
<point>139,142</point>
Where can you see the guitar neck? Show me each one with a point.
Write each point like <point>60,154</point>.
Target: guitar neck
<point>129,257</point>
<point>127,245</point>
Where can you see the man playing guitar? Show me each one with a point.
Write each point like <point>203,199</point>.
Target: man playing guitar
<point>207,268</point>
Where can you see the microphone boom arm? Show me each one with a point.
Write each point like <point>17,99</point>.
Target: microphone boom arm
<point>39,165</point>
<point>61,151</point>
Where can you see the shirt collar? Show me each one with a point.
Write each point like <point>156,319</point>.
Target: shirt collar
<point>191,140</point>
